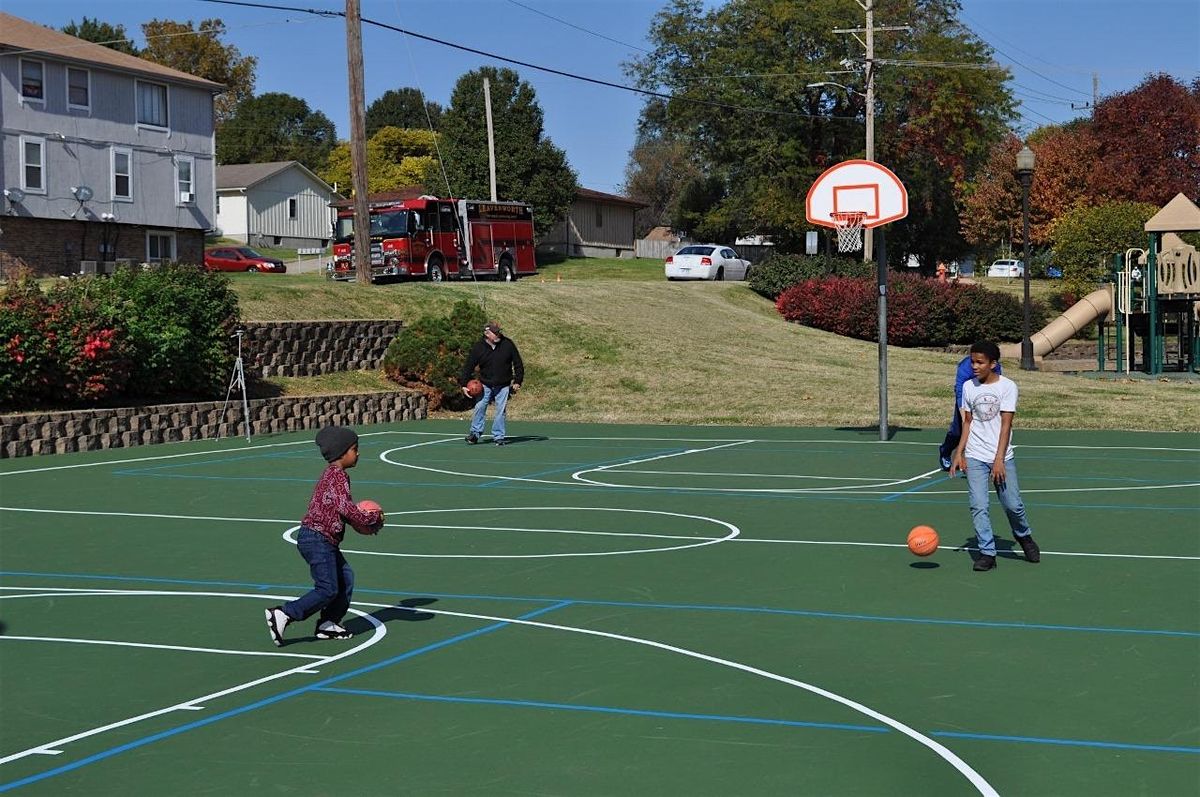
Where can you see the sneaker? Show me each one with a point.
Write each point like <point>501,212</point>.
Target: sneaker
<point>985,562</point>
<point>277,620</point>
<point>472,439</point>
<point>500,441</point>
<point>327,629</point>
<point>1032,552</point>
<point>945,463</point>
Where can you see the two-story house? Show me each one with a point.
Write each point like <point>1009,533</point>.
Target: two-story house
<point>104,157</point>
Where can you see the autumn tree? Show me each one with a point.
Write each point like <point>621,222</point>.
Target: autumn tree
<point>657,172</point>
<point>396,158</point>
<point>198,50</point>
<point>1085,239</point>
<point>403,108</point>
<point>276,127</point>
<point>529,167</point>
<point>113,37</point>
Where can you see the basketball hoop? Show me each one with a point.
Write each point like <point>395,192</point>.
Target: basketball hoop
<point>849,226</point>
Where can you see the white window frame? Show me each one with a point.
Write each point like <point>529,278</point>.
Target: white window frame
<point>191,183</point>
<point>293,208</point>
<point>41,165</point>
<point>21,81</point>
<point>88,74</point>
<point>137,105</point>
<point>113,152</point>
<point>160,234</point>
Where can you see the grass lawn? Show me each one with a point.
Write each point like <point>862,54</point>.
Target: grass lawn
<point>639,349</point>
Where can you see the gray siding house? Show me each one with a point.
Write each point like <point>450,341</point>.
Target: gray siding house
<point>104,157</point>
<point>274,204</point>
<point>597,225</point>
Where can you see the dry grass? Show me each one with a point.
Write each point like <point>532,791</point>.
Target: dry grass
<point>624,351</point>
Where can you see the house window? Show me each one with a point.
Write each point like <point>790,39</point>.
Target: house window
<point>33,164</point>
<point>79,89</point>
<point>151,104</point>
<point>33,84</point>
<point>291,208</point>
<point>184,180</point>
<point>599,217</point>
<point>160,247</point>
<point>122,174</point>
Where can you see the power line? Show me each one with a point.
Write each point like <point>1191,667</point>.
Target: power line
<point>579,28</point>
<point>1018,63</point>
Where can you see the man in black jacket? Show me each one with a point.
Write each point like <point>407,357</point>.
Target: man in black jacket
<point>500,370</point>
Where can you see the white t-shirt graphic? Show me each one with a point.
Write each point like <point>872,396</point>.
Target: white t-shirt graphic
<point>985,403</point>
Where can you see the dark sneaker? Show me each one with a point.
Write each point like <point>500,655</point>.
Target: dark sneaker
<point>1032,552</point>
<point>327,629</point>
<point>472,439</point>
<point>985,562</point>
<point>277,620</point>
<point>500,441</point>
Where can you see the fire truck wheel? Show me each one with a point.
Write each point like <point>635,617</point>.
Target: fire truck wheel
<point>506,271</point>
<point>436,272</point>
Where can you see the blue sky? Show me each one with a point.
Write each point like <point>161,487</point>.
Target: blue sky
<point>1052,46</point>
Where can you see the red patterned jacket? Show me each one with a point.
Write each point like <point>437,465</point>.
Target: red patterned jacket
<point>331,506</point>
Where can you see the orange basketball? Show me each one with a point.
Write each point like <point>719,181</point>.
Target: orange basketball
<point>922,540</point>
<point>368,505</point>
<point>475,388</point>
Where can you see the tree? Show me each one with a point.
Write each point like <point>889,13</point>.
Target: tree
<point>276,127</point>
<point>529,167</point>
<point>657,172</point>
<point>1085,239</point>
<point>199,51</point>
<point>113,37</point>
<point>406,107</point>
<point>739,77</point>
<point>396,158</point>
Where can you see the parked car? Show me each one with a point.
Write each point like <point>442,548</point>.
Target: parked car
<point>241,258</point>
<point>706,262</point>
<point>1006,268</point>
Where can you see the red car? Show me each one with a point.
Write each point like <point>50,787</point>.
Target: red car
<point>241,258</point>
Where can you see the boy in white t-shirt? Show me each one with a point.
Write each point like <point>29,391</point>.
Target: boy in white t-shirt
<point>989,402</point>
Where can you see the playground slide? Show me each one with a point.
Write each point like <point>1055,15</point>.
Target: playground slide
<point>1095,305</point>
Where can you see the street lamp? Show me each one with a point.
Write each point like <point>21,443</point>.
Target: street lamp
<point>1025,163</point>
<point>831,83</point>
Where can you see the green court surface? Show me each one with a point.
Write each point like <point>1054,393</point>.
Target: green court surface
<point>601,610</point>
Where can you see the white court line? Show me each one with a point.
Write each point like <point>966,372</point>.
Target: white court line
<point>976,780</point>
<point>379,632</point>
<point>965,549</point>
<point>117,643</point>
<point>765,475</point>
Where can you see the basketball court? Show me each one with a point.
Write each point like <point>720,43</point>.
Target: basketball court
<point>604,609</point>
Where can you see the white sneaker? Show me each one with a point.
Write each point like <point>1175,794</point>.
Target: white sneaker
<point>327,629</point>
<point>277,620</point>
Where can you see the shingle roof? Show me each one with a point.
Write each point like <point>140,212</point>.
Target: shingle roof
<point>600,196</point>
<point>25,37</point>
<point>244,175</point>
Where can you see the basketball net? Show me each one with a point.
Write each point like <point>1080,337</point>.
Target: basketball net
<point>849,226</point>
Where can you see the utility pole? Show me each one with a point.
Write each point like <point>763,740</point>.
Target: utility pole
<point>869,46</point>
<point>487,109</point>
<point>358,144</point>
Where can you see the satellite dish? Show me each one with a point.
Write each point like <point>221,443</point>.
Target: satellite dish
<point>82,193</point>
<point>14,194</point>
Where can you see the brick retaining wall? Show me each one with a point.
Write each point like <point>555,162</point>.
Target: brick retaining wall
<point>312,348</point>
<point>91,430</point>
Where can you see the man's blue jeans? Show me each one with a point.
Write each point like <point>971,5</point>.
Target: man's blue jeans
<point>979,477</point>
<point>333,580</point>
<point>500,396</point>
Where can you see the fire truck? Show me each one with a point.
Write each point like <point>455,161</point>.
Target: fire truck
<point>438,239</point>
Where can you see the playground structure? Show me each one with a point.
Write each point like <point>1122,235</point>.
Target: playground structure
<point>1153,298</point>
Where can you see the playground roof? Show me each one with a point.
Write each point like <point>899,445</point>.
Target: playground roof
<point>1178,215</point>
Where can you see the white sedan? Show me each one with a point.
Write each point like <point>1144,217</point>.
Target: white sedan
<point>706,262</point>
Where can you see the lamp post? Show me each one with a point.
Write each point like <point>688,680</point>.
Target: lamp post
<point>1025,163</point>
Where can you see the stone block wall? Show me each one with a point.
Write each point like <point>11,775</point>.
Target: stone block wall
<point>312,348</point>
<point>91,430</point>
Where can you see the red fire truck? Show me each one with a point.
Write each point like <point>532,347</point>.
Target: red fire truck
<point>439,239</point>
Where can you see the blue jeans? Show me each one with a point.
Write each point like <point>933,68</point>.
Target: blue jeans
<point>333,580</point>
<point>500,396</point>
<point>979,476</point>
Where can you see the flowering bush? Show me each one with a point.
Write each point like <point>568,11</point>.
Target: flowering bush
<point>921,312</point>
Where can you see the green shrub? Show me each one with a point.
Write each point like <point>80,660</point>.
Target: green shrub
<point>778,272</point>
<point>429,354</point>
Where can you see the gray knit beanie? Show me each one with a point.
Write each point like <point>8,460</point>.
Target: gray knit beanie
<point>335,441</point>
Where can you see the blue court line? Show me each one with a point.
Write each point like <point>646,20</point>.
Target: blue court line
<point>755,720</point>
<point>631,605</point>
<point>150,739</point>
<point>915,489</point>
